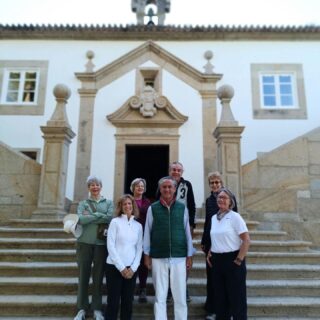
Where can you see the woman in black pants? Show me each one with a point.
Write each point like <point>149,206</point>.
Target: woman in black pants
<point>124,242</point>
<point>215,183</point>
<point>229,245</point>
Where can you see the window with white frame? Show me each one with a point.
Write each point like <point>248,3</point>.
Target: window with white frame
<point>278,91</point>
<point>22,87</point>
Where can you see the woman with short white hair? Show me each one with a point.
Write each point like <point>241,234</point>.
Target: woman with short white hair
<point>95,214</point>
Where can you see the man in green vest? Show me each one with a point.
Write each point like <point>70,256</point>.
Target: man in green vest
<point>168,249</point>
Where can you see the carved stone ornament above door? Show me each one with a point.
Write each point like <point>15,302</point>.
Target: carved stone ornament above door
<point>147,110</point>
<point>148,102</point>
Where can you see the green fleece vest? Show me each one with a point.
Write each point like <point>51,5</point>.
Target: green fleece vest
<point>168,237</point>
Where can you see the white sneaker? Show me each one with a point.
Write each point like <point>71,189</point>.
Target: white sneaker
<point>81,315</point>
<point>210,317</point>
<point>97,315</point>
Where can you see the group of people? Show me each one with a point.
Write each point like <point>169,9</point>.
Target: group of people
<point>137,236</point>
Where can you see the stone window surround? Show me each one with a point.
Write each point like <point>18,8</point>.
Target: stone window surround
<point>278,113</point>
<point>22,109</point>
<point>148,73</point>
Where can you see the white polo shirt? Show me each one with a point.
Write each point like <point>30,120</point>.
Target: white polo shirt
<point>225,233</point>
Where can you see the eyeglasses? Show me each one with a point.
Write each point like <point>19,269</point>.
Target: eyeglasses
<point>215,182</point>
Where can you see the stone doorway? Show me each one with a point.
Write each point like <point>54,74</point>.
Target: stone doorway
<point>150,162</point>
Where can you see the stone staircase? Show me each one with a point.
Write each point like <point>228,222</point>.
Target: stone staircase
<point>38,275</point>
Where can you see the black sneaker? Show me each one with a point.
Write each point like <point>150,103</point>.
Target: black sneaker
<point>143,296</point>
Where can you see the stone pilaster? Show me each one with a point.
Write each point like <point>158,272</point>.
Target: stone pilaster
<point>228,135</point>
<point>57,135</point>
<point>209,122</point>
<point>85,130</point>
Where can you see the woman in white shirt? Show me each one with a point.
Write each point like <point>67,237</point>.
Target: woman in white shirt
<point>229,245</point>
<point>124,243</point>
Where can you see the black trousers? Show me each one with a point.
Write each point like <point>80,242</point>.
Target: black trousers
<point>119,289</point>
<point>230,294</point>
<point>209,304</point>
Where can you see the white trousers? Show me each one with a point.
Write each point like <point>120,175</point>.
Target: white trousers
<point>161,269</point>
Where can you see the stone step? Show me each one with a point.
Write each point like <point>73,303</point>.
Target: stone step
<point>69,269</point>
<point>50,305</point>
<point>69,255</point>
<point>45,223</point>
<point>196,287</point>
<point>268,235</point>
<point>280,246</point>
<point>272,246</point>
<point>54,233</point>
<point>310,257</point>
<point>284,271</point>
<point>61,255</point>
<point>269,271</point>
<point>39,269</point>
<point>251,224</point>
<point>37,255</point>
<point>29,243</point>
<point>254,235</point>
<point>284,306</point>
<point>69,243</point>
<point>34,233</point>
<point>283,288</point>
<point>34,223</point>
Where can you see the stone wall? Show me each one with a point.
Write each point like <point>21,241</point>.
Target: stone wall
<point>281,187</point>
<point>19,184</point>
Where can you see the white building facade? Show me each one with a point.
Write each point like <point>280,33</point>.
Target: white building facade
<point>274,73</point>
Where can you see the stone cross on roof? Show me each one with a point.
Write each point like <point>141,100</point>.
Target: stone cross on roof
<point>139,7</point>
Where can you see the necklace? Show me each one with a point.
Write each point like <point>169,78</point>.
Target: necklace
<point>220,215</point>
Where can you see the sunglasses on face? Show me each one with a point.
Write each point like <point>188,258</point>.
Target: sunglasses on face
<point>215,182</point>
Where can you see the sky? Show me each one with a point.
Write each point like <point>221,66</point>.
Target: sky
<point>183,12</point>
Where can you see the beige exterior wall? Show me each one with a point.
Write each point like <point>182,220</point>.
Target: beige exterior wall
<point>282,187</point>
<point>19,184</point>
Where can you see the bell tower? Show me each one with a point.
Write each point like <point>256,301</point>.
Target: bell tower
<point>150,8</point>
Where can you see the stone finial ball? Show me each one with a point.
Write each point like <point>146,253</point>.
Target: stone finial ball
<point>225,92</point>
<point>208,54</point>
<point>90,54</point>
<point>61,91</point>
